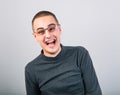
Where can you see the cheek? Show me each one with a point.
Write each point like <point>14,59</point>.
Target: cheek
<point>58,35</point>
<point>39,40</point>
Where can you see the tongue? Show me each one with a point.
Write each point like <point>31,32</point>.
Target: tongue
<point>51,45</point>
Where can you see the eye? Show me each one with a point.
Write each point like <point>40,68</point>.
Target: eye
<point>51,28</point>
<point>40,31</point>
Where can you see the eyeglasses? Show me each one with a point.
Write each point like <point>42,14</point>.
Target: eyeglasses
<point>51,28</point>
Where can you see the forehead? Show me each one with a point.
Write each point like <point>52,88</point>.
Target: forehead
<point>43,21</point>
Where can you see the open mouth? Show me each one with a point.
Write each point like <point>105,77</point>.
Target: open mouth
<point>51,43</point>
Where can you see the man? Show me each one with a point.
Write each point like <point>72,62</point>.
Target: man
<point>58,70</point>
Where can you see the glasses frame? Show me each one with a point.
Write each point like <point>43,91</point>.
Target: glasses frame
<point>43,30</point>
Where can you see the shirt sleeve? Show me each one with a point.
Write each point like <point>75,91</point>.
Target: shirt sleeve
<point>90,80</point>
<point>31,85</point>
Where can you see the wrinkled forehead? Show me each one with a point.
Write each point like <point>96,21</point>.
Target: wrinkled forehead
<point>44,21</point>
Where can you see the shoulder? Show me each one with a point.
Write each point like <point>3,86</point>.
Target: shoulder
<point>79,49</point>
<point>30,65</point>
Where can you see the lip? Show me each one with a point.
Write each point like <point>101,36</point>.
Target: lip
<point>51,43</point>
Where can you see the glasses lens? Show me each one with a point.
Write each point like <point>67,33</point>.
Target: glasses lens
<point>40,31</point>
<point>52,28</point>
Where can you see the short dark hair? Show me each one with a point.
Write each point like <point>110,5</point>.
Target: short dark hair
<point>44,13</point>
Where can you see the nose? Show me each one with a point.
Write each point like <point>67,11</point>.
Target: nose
<point>47,34</point>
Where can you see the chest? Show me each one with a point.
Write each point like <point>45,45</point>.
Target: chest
<point>59,76</point>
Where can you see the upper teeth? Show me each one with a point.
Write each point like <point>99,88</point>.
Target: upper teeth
<point>50,41</point>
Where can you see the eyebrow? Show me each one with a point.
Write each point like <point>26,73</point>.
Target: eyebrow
<point>40,28</point>
<point>45,28</point>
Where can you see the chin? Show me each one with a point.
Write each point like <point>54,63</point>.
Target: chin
<point>52,51</point>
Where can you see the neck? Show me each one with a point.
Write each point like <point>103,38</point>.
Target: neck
<point>54,54</point>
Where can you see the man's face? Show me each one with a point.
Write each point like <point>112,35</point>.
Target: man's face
<point>47,33</point>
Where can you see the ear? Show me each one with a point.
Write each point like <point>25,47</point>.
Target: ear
<point>34,35</point>
<point>60,28</point>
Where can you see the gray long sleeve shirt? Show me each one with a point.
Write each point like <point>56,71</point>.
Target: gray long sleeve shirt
<point>71,72</point>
